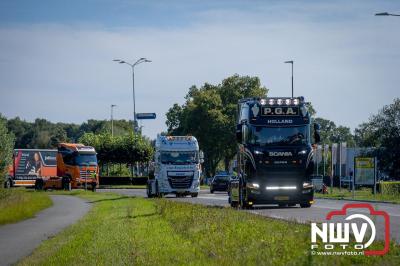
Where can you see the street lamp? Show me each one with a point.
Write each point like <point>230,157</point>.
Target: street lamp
<point>291,62</point>
<point>386,14</point>
<point>139,61</point>
<point>112,119</point>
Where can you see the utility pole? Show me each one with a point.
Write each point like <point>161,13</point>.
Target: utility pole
<point>112,119</point>
<point>291,62</point>
<point>139,61</point>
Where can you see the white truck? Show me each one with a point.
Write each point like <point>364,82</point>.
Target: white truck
<point>177,167</point>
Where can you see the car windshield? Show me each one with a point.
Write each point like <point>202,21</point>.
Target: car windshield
<point>179,157</point>
<point>221,178</point>
<point>86,159</point>
<point>283,136</point>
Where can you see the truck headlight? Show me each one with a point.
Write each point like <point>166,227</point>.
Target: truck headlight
<point>253,185</point>
<point>302,152</point>
<point>307,185</point>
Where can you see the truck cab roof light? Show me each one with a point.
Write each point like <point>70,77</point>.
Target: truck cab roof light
<point>271,101</point>
<point>288,101</point>
<point>279,101</point>
<point>263,102</point>
<point>296,101</point>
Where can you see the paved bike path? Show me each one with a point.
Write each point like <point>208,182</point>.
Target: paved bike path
<point>20,239</point>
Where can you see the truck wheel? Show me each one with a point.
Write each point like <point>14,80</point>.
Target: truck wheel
<point>234,204</point>
<point>211,191</point>
<point>158,194</point>
<point>148,190</point>
<point>39,184</point>
<point>282,205</point>
<point>194,195</point>
<point>305,205</point>
<point>242,200</point>
<point>7,183</point>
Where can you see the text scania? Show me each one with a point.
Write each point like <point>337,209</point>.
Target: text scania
<point>280,153</point>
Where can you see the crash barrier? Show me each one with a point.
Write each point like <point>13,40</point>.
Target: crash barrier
<point>122,180</point>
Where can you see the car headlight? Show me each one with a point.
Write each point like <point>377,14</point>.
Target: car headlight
<point>307,185</point>
<point>253,185</point>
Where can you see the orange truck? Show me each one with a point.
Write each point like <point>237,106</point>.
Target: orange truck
<point>70,166</point>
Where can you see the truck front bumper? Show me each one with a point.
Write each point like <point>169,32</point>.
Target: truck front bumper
<point>280,196</point>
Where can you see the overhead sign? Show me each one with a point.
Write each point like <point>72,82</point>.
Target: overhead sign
<point>364,171</point>
<point>146,116</point>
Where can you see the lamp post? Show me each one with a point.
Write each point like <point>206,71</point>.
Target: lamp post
<point>112,119</point>
<point>139,61</point>
<point>291,62</point>
<point>387,14</point>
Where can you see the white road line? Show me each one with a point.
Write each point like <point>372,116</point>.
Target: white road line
<point>213,198</point>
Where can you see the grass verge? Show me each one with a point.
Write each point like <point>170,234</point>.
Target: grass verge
<point>360,194</point>
<point>120,230</point>
<point>19,203</point>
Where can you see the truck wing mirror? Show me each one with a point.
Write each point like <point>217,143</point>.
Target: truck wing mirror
<point>201,157</point>
<point>239,133</point>
<point>317,136</point>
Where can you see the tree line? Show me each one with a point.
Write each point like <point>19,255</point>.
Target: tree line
<point>210,114</point>
<point>43,134</point>
<point>124,147</point>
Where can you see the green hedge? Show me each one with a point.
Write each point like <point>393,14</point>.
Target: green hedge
<point>390,187</point>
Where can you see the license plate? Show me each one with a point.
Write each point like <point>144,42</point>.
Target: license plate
<point>281,198</point>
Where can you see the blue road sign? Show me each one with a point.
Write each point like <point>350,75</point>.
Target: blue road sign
<point>146,116</point>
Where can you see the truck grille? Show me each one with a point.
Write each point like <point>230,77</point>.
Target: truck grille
<point>87,174</point>
<point>180,182</point>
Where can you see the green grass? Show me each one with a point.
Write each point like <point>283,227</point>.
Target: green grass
<point>19,203</point>
<point>120,230</point>
<point>360,194</point>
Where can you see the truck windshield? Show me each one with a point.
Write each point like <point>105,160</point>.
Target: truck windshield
<point>178,157</point>
<point>85,159</point>
<point>282,136</point>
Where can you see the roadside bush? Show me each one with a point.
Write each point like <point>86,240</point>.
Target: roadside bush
<point>6,149</point>
<point>120,170</point>
<point>390,188</point>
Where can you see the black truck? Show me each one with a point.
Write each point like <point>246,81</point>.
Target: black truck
<point>275,154</point>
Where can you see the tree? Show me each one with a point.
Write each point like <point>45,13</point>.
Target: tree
<point>126,149</point>
<point>383,131</point>
<point>210,114</point>
<point>6,149</point>
<point>330,133</point>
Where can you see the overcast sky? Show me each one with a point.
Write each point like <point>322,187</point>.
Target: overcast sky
<point>56,56</point>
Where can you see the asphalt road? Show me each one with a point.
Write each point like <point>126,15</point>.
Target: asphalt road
<point>316,213</point>
<point>20,239</point>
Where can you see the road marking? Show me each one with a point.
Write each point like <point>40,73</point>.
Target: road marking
<point>213,198</point>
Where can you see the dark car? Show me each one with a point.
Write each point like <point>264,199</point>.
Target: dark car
<point>220,183</point>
